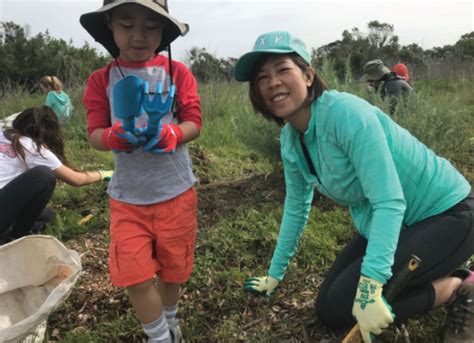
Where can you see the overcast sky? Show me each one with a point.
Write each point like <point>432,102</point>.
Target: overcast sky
<point>228,28</point>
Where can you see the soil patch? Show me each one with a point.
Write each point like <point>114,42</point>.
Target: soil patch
<point>95,300</point>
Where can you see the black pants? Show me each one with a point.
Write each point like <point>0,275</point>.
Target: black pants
<point>23,201</point>
<point>443,242</point>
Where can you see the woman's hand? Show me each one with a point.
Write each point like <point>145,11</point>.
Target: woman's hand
<point>264,285</point>
<point>370,308</point>
<point>105,175</point>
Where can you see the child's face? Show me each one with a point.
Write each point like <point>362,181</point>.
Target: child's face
<point>137,32</point>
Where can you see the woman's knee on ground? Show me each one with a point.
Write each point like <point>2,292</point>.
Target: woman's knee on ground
<point>334,310</point>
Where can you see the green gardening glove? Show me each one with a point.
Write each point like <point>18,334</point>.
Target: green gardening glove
<point>264,285</point>
<point>370,309</point>
<point>106,175</point>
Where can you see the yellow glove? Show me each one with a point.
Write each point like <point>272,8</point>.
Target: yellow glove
<point>370,308</point>
<point>106,175</point>
<point>264,285</point>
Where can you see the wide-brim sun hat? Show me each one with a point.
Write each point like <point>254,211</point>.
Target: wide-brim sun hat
<point>96,23</point>
<point>374,70</point>
<point>276,42</point>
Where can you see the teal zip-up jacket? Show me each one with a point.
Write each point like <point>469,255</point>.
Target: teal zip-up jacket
<point>365,161</point>
<point>60,103</point>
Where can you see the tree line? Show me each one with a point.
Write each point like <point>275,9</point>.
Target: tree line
<point>355,48</point>
<point>24,59</point>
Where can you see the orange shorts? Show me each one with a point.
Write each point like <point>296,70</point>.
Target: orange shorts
<point>150,239</point>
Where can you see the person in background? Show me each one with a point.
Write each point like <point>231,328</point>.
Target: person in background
<point>56,98</point>
<point>153,201</point>
<point>386,82</point>
<point>31,160</point>
<point>402,70</point>
<point>402,197</point>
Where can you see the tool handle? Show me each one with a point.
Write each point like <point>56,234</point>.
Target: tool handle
<point>393,288</point>
<point>401,278</point>
<point>353,336</point>
<point>128,124</point>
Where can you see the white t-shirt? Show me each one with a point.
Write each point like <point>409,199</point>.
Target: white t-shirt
<point>10,164</point>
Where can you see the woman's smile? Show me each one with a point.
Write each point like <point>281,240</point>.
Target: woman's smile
<point>279,97</point>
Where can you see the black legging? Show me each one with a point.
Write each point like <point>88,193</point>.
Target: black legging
<point>23,200</point>
<point>443,242</point>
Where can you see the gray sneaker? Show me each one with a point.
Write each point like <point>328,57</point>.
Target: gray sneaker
<point>176,336</point>
<point>460,320</point>
<point>173,322</point>
<point>175,332</point>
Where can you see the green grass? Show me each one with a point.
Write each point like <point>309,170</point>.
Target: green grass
<point>233,133</point>
<point>242,246</point>
<point>235,146</point>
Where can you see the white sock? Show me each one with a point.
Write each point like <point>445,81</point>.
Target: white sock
<point>158,330</point>
<point>170,312</point>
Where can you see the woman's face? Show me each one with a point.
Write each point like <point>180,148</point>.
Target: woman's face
<point>283,86</point>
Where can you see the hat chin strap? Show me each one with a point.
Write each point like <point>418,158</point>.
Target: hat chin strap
<point>170,66</point>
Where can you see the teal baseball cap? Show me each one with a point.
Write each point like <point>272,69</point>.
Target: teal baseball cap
<point>276,42</point>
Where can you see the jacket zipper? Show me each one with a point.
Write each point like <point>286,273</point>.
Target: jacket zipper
<point>309,161</point>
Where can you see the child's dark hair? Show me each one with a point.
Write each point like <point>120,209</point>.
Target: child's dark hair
<point>314,91</point>
<point>41,125</point>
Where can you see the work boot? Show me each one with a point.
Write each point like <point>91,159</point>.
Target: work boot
<point>46,217</point>
<point>460,319</point>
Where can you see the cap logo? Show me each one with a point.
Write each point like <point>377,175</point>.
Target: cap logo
<point>263,40</point>
<point>278,39</point>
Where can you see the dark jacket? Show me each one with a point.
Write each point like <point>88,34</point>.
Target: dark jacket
<point>394,86</point>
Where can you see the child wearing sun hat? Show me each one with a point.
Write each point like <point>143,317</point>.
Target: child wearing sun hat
<point>153,202</point>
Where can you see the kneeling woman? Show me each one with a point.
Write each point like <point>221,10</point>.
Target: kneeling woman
<point>403,198</point>
<point>31,159</point>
